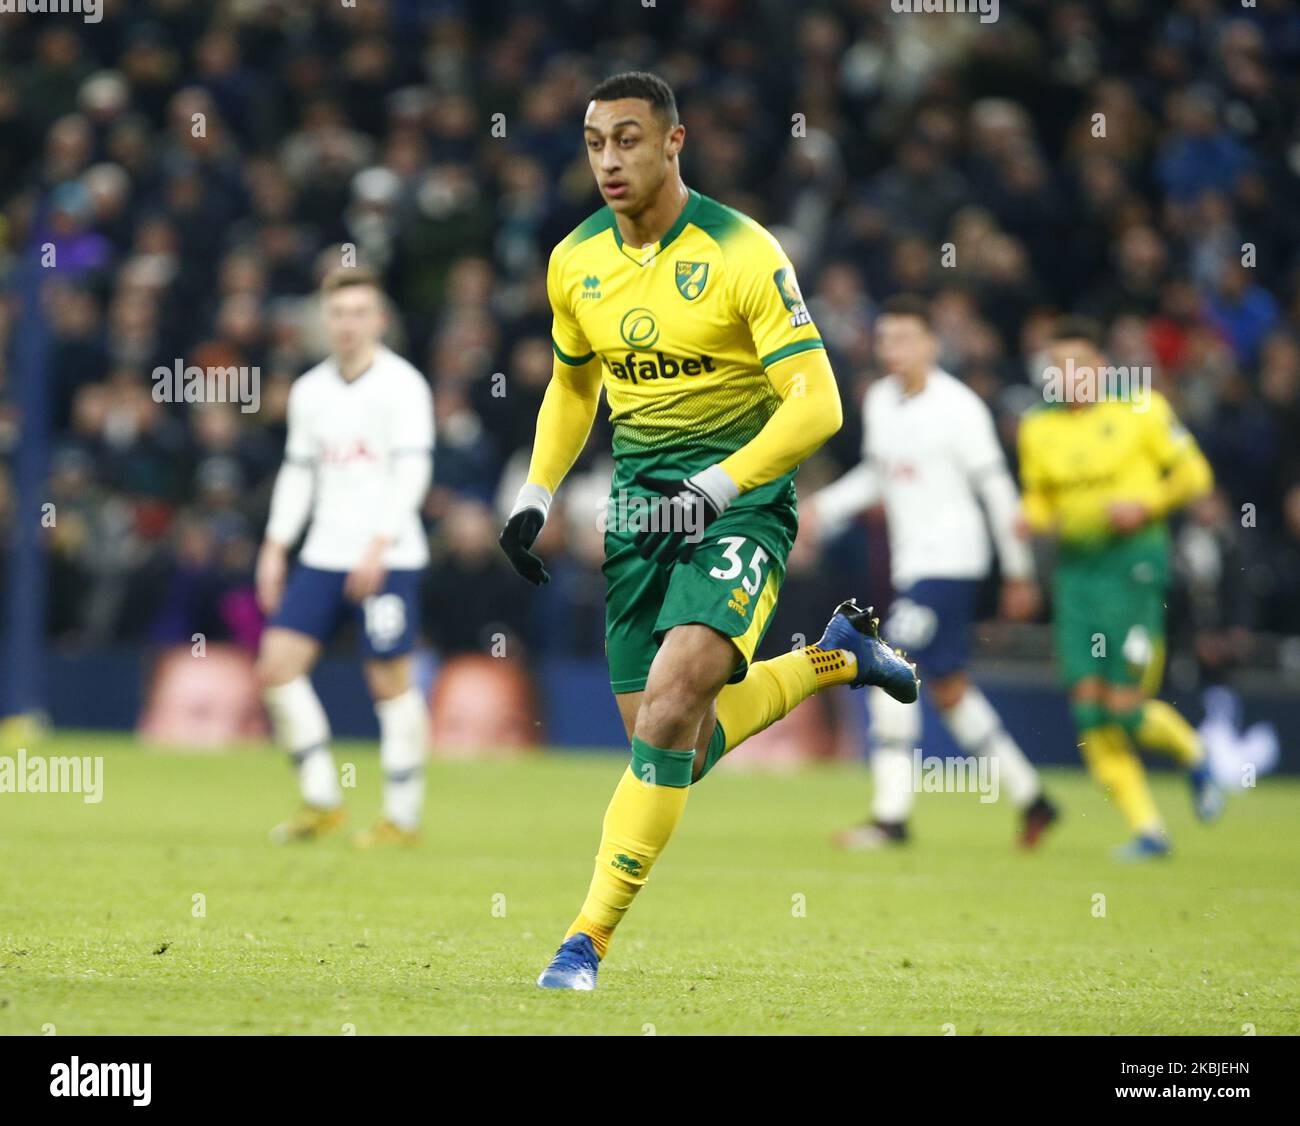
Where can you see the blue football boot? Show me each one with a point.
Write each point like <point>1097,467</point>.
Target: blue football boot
<point>573,967</point>
<point>1208,798</point>
<point>1145,846</point>
<point>853,628</point>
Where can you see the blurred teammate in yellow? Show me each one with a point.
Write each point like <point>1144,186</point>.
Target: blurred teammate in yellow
<point>1103,463</point>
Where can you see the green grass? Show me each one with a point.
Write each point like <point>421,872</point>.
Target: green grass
<point>98,932</point>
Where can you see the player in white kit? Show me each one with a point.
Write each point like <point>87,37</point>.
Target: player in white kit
<point>357,464</point>
<point>931,455</point>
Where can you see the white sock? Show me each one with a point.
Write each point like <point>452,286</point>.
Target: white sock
<point>301,727</point>
<point>978,730</point>
<point>895,731</point>
<point>403,730</point>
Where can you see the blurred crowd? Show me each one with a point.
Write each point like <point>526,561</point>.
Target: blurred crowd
<point>197,166</point>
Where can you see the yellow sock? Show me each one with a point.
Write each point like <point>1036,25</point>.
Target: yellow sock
<point>829,666</point>
<point>1162,729</point>
<point>640,819</point>
<point>1113,764</point>
<point>770,691</point>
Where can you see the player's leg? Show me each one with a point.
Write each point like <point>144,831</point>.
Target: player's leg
<point>284,661</point>
<point>943,611</point>
<point>895,737</point>
<point>850,651</point>
<point>1087,645</point>
<point>917,623</point>
<point>977,729</point>
<point>1152,723</point>
<point>629,703</point>
<point>388,623</point>
<point>1115,766</point>
<point>403,735</point>
<point>715,608</point>
<point>692,664</point>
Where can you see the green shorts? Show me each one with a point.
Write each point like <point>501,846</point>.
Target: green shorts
<point>1109,614</point>
<point>731,584</point>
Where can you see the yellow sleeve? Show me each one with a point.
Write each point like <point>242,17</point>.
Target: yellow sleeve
<point>567,338</point>
<point>564,421</point>
<point>1186,473</point>
<point>1035,495</point>
<point>809,414</point>
<point>766,297</point>
<point>569,406</point>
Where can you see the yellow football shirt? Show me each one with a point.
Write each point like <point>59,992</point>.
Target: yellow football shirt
<point>1075,463</point>
<point>685,330</point>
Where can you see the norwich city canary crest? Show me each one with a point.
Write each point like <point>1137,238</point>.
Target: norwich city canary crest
<point>691,277</point>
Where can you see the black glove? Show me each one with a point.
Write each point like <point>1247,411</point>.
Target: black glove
<point>516,539</point>
<point>674,530</point>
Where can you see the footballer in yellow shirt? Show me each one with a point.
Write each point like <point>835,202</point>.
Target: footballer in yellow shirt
<point>689,315</point>
<point>1101,468</point>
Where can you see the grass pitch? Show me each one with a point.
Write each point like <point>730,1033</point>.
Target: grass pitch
<point>165,909</point>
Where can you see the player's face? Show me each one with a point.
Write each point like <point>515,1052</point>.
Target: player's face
<point>354,319</point>
<point>630,152</point>
<point>905,344</point>
<point>1077,361</point>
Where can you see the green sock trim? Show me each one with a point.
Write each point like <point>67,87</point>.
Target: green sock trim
<point>717,747</point>
<point>659,767</point>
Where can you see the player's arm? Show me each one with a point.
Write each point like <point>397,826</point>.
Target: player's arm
<point>982,460</point>
<point>563,425</point>
<point>410,472</point>
<point>1187,474</point>
<point>564,422</point>
<point>1037,504</point>
<point>766,296</point>
<point>859,489</point>
<point>809,414</point>
<point>290,505</point>
<point>1184,474</point>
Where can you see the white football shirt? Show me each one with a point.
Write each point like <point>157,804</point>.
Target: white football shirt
<point>931,457</point>
<point>354,436</point>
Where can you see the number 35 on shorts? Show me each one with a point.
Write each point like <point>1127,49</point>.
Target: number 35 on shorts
<point>738,560</point>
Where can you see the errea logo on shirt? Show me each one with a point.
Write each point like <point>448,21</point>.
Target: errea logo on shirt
<point>590,287</point>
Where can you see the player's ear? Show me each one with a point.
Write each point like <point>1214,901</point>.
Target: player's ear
<point>676,136</point>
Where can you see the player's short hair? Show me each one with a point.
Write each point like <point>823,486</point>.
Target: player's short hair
<point>1079,328</point>
<point>639,84</point>
<point>344,277</point>
<point>908,305</point>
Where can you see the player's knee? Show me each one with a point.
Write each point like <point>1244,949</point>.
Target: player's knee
<point>273,669</point>
<point>387,679</point>
<point>280,659</point>
<point>671,711</point>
